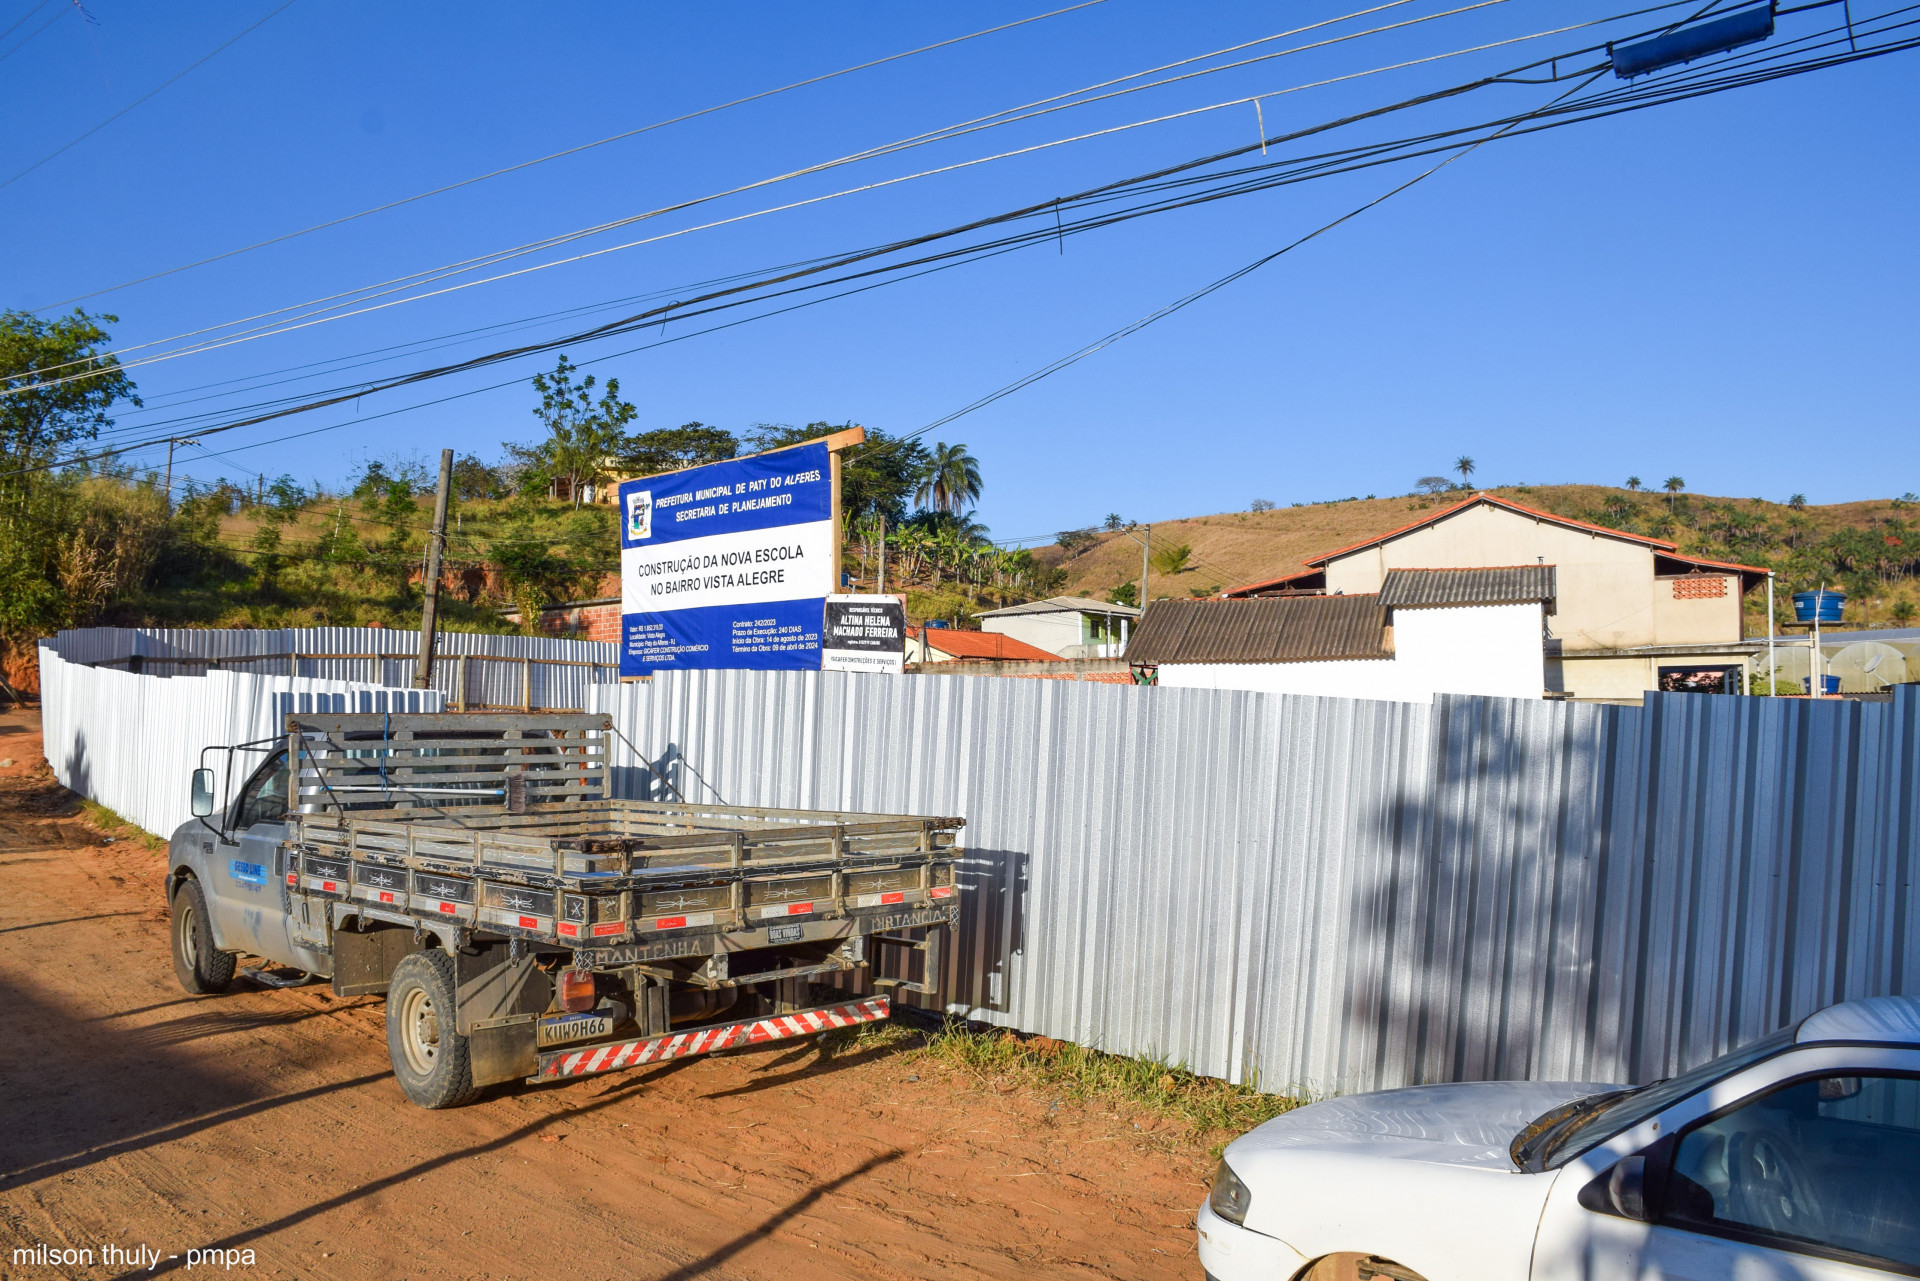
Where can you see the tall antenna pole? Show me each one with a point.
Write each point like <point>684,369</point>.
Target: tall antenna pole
<point>436,544</point>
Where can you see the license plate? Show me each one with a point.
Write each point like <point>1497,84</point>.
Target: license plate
<point>785,933</point>
<point>574,1027</point>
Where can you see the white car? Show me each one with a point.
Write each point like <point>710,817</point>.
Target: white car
<point>1795,1157</point>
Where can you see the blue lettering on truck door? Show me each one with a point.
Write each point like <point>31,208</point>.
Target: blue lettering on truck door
<point>247,873</point>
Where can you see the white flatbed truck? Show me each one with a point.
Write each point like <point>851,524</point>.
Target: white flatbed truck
<point>522,924</point>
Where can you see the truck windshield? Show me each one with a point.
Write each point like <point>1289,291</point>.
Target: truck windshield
<point>1554,1140</point>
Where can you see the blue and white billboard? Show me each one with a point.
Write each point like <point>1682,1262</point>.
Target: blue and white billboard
<point>728,565</point>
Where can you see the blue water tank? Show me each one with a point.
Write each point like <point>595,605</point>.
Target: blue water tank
<point>1828,604</point>
<point>1828,684</point>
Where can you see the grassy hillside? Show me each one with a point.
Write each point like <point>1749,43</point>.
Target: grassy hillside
<point>1870,548</point>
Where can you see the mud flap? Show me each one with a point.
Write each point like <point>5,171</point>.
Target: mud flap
<point>503,1050</point>
<point>363,963</point>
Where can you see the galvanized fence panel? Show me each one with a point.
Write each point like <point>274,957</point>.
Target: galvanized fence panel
<point>471,669</point>
<point>1331,894</point>
<point>131,742</point>
<point>1317,894</point>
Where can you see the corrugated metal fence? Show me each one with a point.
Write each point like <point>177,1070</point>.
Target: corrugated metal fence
<point>1332,894</point>
<point>471,669</point>
<point>131,742</point>
<point>1312,893</point>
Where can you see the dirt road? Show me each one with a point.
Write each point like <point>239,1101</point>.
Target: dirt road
<point>136,1116</point>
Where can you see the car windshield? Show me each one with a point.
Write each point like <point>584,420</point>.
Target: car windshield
<point>1565,1134</point>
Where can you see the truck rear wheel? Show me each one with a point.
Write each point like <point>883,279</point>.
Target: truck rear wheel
<point>202,968</point>
<point>430,1058</point>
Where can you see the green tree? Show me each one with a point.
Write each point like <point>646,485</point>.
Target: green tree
<point>877,478</point>
<point>672,448</point>
<point>951,480</point>
<point>1633,483</point>
<point>475,480</point>
<point>1798,502</point>
<point>1673,487</point>
<point>59,386</point>
<point>584,435</point>
<point>1169,558</point>
<point>64,551</point>
<point>1125,594</point>
<point>1463,465</point>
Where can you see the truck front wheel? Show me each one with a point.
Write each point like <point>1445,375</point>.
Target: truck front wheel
<point>429,1055</point>
<point>202,968</point>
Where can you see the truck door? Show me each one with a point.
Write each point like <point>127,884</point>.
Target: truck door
<point>248,880</point>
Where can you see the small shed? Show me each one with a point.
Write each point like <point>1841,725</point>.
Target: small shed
<point>1065,626</point>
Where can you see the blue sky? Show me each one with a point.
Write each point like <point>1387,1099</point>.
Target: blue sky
<point>1721,288</point>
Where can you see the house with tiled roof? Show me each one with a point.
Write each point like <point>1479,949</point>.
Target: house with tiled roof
<point>951,645</point>
<point>1629,613</point>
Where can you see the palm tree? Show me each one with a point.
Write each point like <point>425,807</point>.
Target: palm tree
<point>1633,483</point>
<point>1463,465</point>
<point>1673,487</point>
<point>1798,502</point>
<point>951,480</point>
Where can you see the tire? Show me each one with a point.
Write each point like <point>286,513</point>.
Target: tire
<point>202,968</point>
<point>430,1058</point>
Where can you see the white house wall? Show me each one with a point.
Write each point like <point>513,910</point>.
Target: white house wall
<point>1055,632</point>
<point>1492,650</point>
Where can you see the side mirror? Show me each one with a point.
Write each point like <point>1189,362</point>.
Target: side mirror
<point>202,793</point>
<point>1627,1187</point>
<point>1621,1190</point>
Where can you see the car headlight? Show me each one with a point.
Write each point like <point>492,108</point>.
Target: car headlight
<point>1230,1197</point>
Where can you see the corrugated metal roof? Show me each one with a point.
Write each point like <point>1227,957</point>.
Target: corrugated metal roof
<point>1060,605</point>
<point>1495,585</point>
<point>1273,629</point>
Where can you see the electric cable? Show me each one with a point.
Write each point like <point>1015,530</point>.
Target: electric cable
<point>430,275</point>
<point>68,146</point>
<point>1507,126</point>
<point>528,164</point>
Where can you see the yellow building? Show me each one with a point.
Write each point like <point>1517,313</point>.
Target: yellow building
<point>1632,614</point>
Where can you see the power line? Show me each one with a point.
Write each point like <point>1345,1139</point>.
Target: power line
<point>1011,115</point>
<point>570,151</point>
<point>1633,97</point>
<point>61,13</point>
<point>21,20</point>
<point>68,146</point>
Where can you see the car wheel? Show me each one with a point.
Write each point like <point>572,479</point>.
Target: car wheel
<point>430,1058</point>
<point>202,968</point>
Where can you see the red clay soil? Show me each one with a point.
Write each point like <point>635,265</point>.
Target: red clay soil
<point>136,1115</point>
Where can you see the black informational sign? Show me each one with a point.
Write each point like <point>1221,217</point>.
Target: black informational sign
<point>864,634</point>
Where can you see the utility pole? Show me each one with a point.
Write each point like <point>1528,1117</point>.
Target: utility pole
<point>1145,544</point>
<point>168,486</point>
<point>1145,539</point>
<point>881,588</point>
<point>436,544</point>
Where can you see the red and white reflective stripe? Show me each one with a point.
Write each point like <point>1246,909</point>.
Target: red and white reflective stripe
<point>786,909</point>
<point>941,891</point>
<point>680,1045</point>
<point>880,900</point>
<point>678,922</point>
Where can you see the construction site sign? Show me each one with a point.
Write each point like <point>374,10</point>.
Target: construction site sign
<point>730,564</point>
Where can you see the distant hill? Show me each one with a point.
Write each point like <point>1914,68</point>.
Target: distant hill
<point>1871,548</point>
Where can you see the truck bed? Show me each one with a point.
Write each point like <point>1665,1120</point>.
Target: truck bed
<point>508,828</point>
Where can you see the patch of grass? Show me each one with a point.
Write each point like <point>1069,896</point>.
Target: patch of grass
<point>1203,1104</point>
<point>102,819</point>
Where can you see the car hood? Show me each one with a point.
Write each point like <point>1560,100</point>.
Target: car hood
<point>1468,1124</point>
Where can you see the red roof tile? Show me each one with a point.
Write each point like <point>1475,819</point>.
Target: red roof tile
<point>1495,501</point>
<point>991,646</point>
